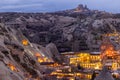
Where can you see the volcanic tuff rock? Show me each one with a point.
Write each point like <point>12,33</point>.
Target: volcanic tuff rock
<point>71,30</point>
<point>78,29</point>
<point>18,59</point>
<point>104,75</point>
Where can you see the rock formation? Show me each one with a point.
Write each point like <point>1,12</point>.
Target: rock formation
<point>19,58</point>
<point>104,75</point>
<point>25,38</point>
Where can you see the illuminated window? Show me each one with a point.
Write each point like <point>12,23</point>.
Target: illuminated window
<point>25,42</point>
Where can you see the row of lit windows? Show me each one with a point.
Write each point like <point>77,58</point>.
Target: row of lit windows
<point>92,65</point>
<point>81,75</point>
<point>115,66</point>
<point>84,59</point>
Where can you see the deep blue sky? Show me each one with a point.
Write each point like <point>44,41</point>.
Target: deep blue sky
<point>56,5</point>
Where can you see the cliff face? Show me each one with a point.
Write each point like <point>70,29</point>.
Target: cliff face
<point>20,59</point>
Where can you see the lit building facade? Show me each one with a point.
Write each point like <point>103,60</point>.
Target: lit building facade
<point>93,60</point>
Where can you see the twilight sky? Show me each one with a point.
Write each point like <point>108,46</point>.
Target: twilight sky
<point>56,5</point>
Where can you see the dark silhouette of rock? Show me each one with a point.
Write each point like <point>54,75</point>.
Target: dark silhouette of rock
<point>53,52</point>
<point>104,75</point>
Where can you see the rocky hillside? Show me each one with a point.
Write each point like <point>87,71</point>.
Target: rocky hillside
<point>28,39</point>
<point>71,30</point>
<point>22,60</point>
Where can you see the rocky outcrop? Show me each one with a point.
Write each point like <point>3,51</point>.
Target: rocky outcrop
<point>104,75</point>
<point>19,57</point>
<point>53,52</point>
<point>28,38</point>
<point>66,28</point>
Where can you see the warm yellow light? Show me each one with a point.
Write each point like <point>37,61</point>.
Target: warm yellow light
<point>97,67</point>
<point>25,42</point>
<point>12,67</point>
<point>89,76</point>
<point>40,60</point>
<point>72,79</point>
<point>114,66</point>
<point>59,77</point>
